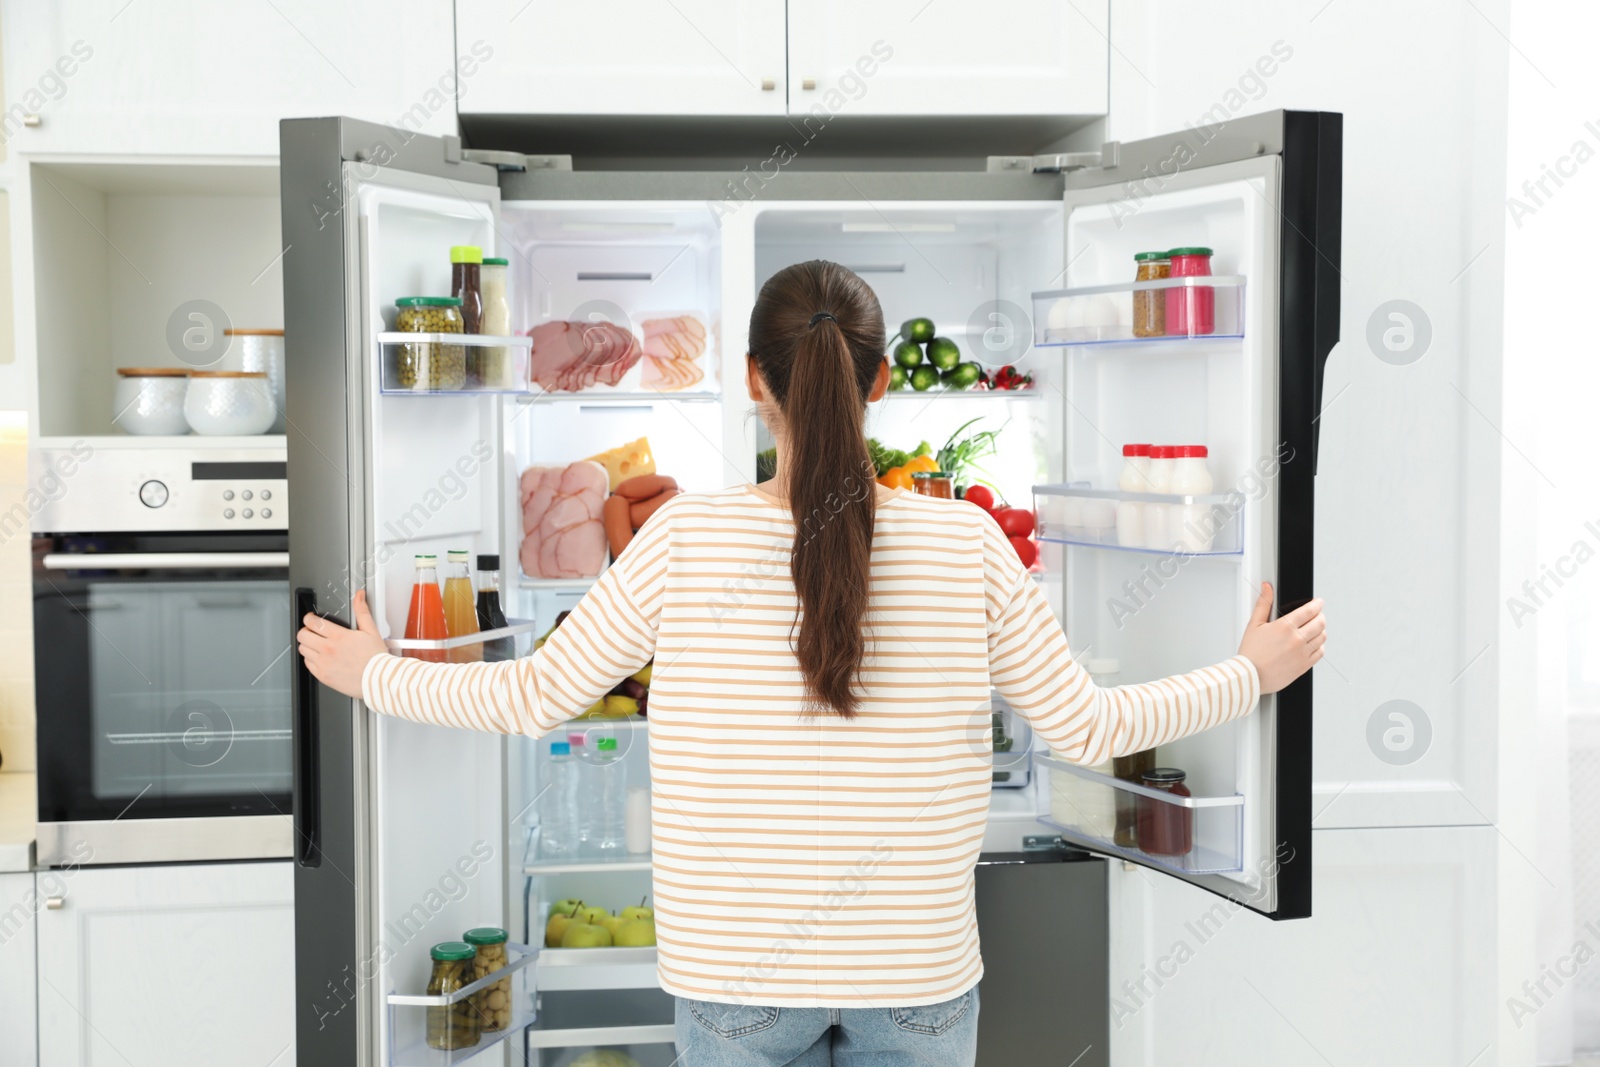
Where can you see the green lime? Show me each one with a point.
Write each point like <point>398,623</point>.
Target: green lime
<point>897,377</point>
<point>943,353</point>
<point>908,354</point>
<point>918,330</point>
<point>924,378</point>
<point>962,376</point>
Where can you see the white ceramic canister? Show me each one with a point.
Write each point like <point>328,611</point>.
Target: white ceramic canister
<point>149,400</point>
<point>229,403</point>
<point>262,350</point>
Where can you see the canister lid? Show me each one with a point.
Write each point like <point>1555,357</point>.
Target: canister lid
<point>1143,257</point>
<point>152,372</point>
<point>1164,775</point>
<point>1195,251</point>
<point>466,254</point>
<point>428,302</point>
<point>452,950</point>
<point>489,563</point>
<point>485,935</point>
<point>495,261</point>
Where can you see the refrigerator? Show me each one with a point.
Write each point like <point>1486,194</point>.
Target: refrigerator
<point>407,835</point>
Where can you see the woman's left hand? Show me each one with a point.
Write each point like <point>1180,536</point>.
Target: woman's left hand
<point>337,655</point>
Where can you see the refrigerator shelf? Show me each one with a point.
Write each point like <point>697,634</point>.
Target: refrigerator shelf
<point>517,630</point>
<point>584,1036</point>
<point>964,394</point>
<point>603,397</point>
<point>408,1015</point>
<point>1088,805</point>
<point>1210,308</point>
<point>559,584</point>
<point>596,968</point>
<point>628,861</point>
<point>1197,526</point>
<point>409,360</point>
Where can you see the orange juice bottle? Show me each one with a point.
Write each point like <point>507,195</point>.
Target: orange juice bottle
<point>460,606</point>
<point>425,621</point>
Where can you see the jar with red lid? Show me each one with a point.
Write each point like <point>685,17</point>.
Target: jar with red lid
<point>1164,829</point>
<point>1191,310</point>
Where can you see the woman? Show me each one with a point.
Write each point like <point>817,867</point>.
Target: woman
<point>819,712</point>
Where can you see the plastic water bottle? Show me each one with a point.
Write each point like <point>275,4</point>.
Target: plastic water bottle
<point>558,803</point>
<point>582,811</point>
<point>610,799</point>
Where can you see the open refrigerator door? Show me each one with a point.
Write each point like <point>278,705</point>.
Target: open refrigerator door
<point>1216,358</point>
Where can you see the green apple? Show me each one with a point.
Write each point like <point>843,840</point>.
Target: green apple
<point>591,915</point>
<point>554,929</point>
<point>638,911</point>
<point>586,935</point>
<point>636,933</point>
<point>565,907</point>
<point>611,923</point>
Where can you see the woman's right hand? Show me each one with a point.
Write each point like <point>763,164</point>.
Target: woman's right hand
<point>1283,649</point>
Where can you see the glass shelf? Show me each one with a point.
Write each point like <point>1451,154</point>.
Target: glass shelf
<point>1196,526</point>
<point>519,630</point>
<point>1207,308</point>
<point>597,968</point>
<point>601,396</point>
<point>909,393</point>
<point>557,584</point>
<point>408,1015</point>
<point>1088,805</point>
<point>627,861</point>
<point>452,364</point>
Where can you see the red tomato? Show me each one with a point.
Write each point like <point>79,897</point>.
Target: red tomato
<point>1027,551</point>
<point>1016,522</point>
<point>979,495</point>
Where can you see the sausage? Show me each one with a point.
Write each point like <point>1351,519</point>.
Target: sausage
<point>644,486</point>
<point>639,513</point>
<point>614,516</point>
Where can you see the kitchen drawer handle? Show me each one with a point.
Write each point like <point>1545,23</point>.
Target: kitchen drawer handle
<point>307,735</point>
<point>54,903</point>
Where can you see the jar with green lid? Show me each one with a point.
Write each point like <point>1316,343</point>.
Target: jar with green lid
<point>424,365</point>
<point>494,1002</point>
<point>452,1026</point>
<point>1150,305</point>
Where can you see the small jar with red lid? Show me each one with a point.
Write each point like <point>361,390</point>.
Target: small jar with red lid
<point>1191,310</point>
<point>1164,829</point>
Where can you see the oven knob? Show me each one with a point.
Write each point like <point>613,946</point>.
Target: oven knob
<point>266,494</point>
<point>245,495</point>
<point>227,513</point>
<point>247,513</point>
<point>152,494</point>
<point>227,494</point>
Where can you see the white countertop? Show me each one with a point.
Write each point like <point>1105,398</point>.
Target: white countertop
<point>19,807</point>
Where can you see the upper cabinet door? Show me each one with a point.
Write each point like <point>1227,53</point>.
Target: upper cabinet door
<point>948,57</point>
<point>626,57</point>
<point>110,76</point>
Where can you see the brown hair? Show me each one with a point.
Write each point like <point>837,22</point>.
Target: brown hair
<point>817,337</point>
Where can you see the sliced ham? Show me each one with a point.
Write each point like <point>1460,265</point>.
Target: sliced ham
<point>571,356</point>
<point>672,350</point>
<point>562,533</point>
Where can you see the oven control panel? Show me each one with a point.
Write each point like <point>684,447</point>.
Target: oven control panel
<point>82,488</point>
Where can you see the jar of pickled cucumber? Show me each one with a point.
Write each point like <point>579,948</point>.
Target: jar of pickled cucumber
<point>427,366</point>
<point>494,1001</point>
<point>452,1026</point>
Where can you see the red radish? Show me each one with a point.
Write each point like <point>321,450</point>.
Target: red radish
<point>1027,551</point>
<point>979,495</point>
<point>1016,522</point>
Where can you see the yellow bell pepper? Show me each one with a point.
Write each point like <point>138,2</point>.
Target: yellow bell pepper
<point>922,465</point>
<point>896,478</point>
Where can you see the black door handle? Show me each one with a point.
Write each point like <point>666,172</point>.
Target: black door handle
<point>307,750</point>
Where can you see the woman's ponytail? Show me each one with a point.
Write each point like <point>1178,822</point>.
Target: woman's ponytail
<point>817,336</point>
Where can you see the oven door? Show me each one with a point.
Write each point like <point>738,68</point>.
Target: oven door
<point>162,673</point>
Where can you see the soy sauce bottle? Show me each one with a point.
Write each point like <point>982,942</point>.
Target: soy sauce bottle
<point>491,616</point>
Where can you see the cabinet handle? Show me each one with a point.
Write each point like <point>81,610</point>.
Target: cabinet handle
<point>54,903</point>
<point>32,121</point>
<point>768,84</point>
<point>808,83</point>
<point>307,746</point>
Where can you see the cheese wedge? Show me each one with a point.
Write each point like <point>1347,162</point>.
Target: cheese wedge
<point>627,461</point>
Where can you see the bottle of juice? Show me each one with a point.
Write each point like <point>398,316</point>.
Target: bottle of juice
<point>490,614</point>
<point>460,612</point>
<point>425,621</point>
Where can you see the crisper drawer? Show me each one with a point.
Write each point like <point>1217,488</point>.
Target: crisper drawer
<point>617,1028</point>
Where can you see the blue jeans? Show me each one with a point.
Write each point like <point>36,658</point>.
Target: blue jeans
<point>749,1035</point>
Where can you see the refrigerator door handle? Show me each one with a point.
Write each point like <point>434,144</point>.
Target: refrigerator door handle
<point>307,738</point>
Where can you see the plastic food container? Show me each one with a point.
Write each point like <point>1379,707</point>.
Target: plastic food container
<point>452,1026</point>
<point>1191,310</point>
<point>493,1003</point>
<point>1164,829</point>
<point>1150,305</point>
<point>149,400</point>
<point>229,403</point>
<point>423,365</point>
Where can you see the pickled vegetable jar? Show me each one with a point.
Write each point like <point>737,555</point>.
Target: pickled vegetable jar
<point>1165,829</point>
<point>493,1002</point>
<point>1150,305</point>
<point>933,483</point>
<point>424,365</point>
<point>452,1026</point>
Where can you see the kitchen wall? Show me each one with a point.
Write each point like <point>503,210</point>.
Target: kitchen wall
<point>1421,889</point>
<point>16,622</point>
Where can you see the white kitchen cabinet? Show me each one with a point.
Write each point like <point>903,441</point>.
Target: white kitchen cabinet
<point>948,57</point>
<point>627,57</point>
<point>175,965</point>
<point>18,1018</point>
<point>188,77</point>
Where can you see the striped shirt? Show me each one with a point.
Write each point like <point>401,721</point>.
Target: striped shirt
<point>817,862</point>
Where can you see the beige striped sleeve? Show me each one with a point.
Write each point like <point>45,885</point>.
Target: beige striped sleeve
<point>607,637</point>
<point>1032,667</point>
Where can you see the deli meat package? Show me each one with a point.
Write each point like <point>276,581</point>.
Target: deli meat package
<point>569,356</point>
<point>672,350</point>
<point>562,533</point>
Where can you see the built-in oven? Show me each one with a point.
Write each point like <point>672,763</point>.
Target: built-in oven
<point>162,656</point>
